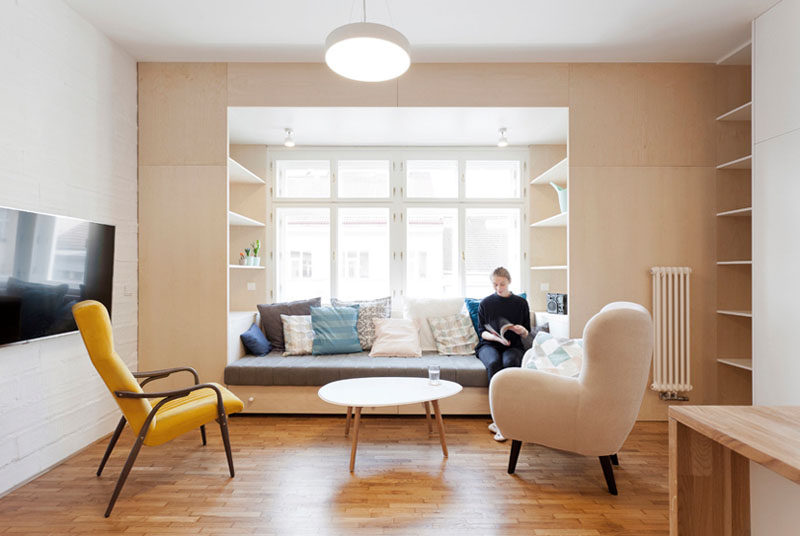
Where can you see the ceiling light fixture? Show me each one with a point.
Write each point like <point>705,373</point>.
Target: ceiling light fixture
<point>502,140</point>
<point>289,141</point>
<point>366,51</point>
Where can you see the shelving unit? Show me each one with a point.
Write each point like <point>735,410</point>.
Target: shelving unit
<point>236,219</point>
<point>734,228</point>
<point>549,233</point>
<point>239,174</point>
<point>244,267</point>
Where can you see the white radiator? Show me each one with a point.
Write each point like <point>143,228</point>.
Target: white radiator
<point>671,354</point>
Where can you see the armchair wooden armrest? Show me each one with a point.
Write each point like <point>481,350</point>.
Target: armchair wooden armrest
<point>163,373</point>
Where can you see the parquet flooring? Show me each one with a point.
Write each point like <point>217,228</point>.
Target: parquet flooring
<point>292,478</point>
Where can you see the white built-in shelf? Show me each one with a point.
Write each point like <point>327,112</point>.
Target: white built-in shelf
<point>240,174</point>
<point>556,174</point>
<point>243,267</point>
<point>559,220</point>
<point>553,267</point>
<point>740,55</point>
<point>739,212</point>
<point>744,162</point>
<point>732,312</point>
<point>734,263</point>
<point>740,113</point>
<point>746,364</point>
<point>235,218</point>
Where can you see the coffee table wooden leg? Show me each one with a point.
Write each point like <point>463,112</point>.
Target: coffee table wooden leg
<point>427,407</point>
<point>347,421</point>
<point>355,440</point>
<point>440,425</point>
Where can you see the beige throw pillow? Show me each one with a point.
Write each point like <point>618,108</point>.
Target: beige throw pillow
<point>396,337</point>
<point>420,309</point>
<point>297,334</point>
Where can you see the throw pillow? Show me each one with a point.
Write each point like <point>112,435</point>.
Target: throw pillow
<point>396,337</point>
<point>271,317</point>
<point>334,330</point>
<point>473,304</point>
<point>254,341</point>
<point>420,309</point>
<point>555,355</point>
<point>368,311</point>
<point>454,334</point>
<point>298,334</point>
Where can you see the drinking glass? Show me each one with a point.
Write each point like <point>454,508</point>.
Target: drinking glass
<point>433,374</point>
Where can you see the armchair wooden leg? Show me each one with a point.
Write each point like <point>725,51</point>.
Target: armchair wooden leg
<point>114,438</point>
<point>223,428</point>
<point>125,471</point>
<point>203,434</point>
<point>614,459</point>
<point>512,460</point>
<point>608,472</point>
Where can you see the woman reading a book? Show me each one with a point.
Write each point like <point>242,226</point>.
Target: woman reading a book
<point>504,320</point>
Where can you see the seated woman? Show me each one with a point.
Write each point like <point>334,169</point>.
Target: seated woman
<point>497,311</point>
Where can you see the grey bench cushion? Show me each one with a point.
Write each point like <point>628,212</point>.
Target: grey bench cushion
<point>274,369</point>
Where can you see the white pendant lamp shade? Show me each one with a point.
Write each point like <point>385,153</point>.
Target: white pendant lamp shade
<point>367,52</point>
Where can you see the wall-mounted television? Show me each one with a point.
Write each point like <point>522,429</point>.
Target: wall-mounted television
<point>47,264</point>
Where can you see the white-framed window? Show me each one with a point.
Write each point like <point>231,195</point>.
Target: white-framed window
<point>360,223</point>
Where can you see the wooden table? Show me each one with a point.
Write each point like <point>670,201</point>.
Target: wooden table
<point>359,393</point>
<point>710,448</point>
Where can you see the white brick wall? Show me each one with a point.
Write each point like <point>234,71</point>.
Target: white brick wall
<point>67,146</point>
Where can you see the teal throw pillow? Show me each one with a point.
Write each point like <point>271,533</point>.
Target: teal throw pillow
<point>335,330</point>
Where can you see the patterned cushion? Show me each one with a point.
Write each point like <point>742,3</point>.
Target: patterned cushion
<point>454,334</point>
<point>334,330</point>
<point>297,334</point>
<point>368,311</point>
<point>555,355</point>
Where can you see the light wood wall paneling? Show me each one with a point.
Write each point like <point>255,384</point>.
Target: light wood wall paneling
<point>182,114</point>
<point>734,189</point>
<point>641,115</point>
<point>732,87</point>
<point>242,299</point>
<point>302,84</point>
<point>734,386</point>
<point>544,202</point>
<point>556,279</point>
<point>734,238</point>
<point>543,157</point>
<point>733,140</point>
<point>182,269</point>
<point>733,287</point>
<point>484,84</point>
<point>550,246</point>
<point>734,337</point>
<point>253,157</point>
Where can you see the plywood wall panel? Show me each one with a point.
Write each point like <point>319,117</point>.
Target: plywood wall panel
<point>641,115</point>
<point>182,114</point>
<point>733,87</point>
<point>484,84</point>
<point>302,84</point>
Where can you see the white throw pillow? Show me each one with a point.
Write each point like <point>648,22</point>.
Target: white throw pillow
<point>395,337</point>
<point>298,335</point>
<point>420,309</point>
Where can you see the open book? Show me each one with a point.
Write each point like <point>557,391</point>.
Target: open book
<point>505,325</point>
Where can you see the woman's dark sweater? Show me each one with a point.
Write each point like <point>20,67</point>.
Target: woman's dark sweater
<point>496,311</point>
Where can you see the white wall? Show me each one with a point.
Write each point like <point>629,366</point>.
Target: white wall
<point>67,146</point>
<point>776,248</point>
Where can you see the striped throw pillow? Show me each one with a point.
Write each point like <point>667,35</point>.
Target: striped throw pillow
<point>297,334</point>
<point>335,330</point>
<point>454,334</point>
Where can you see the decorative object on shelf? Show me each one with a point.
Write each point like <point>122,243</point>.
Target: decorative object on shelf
<point>367,52</point>
<point>242,259</point>
<point>255,260</point>
<point>562,196</point>
<point>556,303</point>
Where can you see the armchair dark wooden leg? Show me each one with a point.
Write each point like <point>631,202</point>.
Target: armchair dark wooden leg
<point>512,460</point>
<point>114,438</point>
<point>614,459</point>
<point>203,434</point>
<point>125,471</point>
<point>608,472</point>
<point>223,428</point>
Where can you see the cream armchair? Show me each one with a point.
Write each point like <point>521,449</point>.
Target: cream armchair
<point>593,413</point>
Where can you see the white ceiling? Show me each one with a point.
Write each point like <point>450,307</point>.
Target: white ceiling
<point>398,126</point>
<point>441,30</point>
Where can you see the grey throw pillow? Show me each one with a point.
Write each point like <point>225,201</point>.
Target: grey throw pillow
<point>368,311</point>
<point>271,317</point>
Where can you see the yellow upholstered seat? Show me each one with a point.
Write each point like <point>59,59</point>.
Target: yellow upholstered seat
<point>155,418</point>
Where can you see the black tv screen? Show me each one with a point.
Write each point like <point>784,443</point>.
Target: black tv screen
<point>47,264</point>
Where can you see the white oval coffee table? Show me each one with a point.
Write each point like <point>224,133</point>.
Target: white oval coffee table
<point>359,393</point>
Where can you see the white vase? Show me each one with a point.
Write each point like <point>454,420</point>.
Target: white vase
<point>255,261</point>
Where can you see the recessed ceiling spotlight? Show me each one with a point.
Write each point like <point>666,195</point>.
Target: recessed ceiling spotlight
<point>366,51</point>
<point>289,141</point>
<point>502,141</point>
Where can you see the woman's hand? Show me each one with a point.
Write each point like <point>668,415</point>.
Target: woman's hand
<point>519,330</point>
<point>488,336</point>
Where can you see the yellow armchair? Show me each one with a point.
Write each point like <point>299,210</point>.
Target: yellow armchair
<point>155,418</point>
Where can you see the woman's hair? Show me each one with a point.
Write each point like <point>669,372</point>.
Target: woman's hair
<point>501,272</point>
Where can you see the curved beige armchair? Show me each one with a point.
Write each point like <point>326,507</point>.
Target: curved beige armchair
<point>592,414</point>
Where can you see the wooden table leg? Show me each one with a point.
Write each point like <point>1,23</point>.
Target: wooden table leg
<point>347,421</point>
<point>355,440</point>
<point>440,425</point>
<point>427,407</point>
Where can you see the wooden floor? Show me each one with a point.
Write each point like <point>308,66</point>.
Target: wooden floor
<point>292,478</point>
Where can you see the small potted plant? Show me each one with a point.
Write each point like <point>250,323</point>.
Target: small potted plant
<point>255,260</point>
